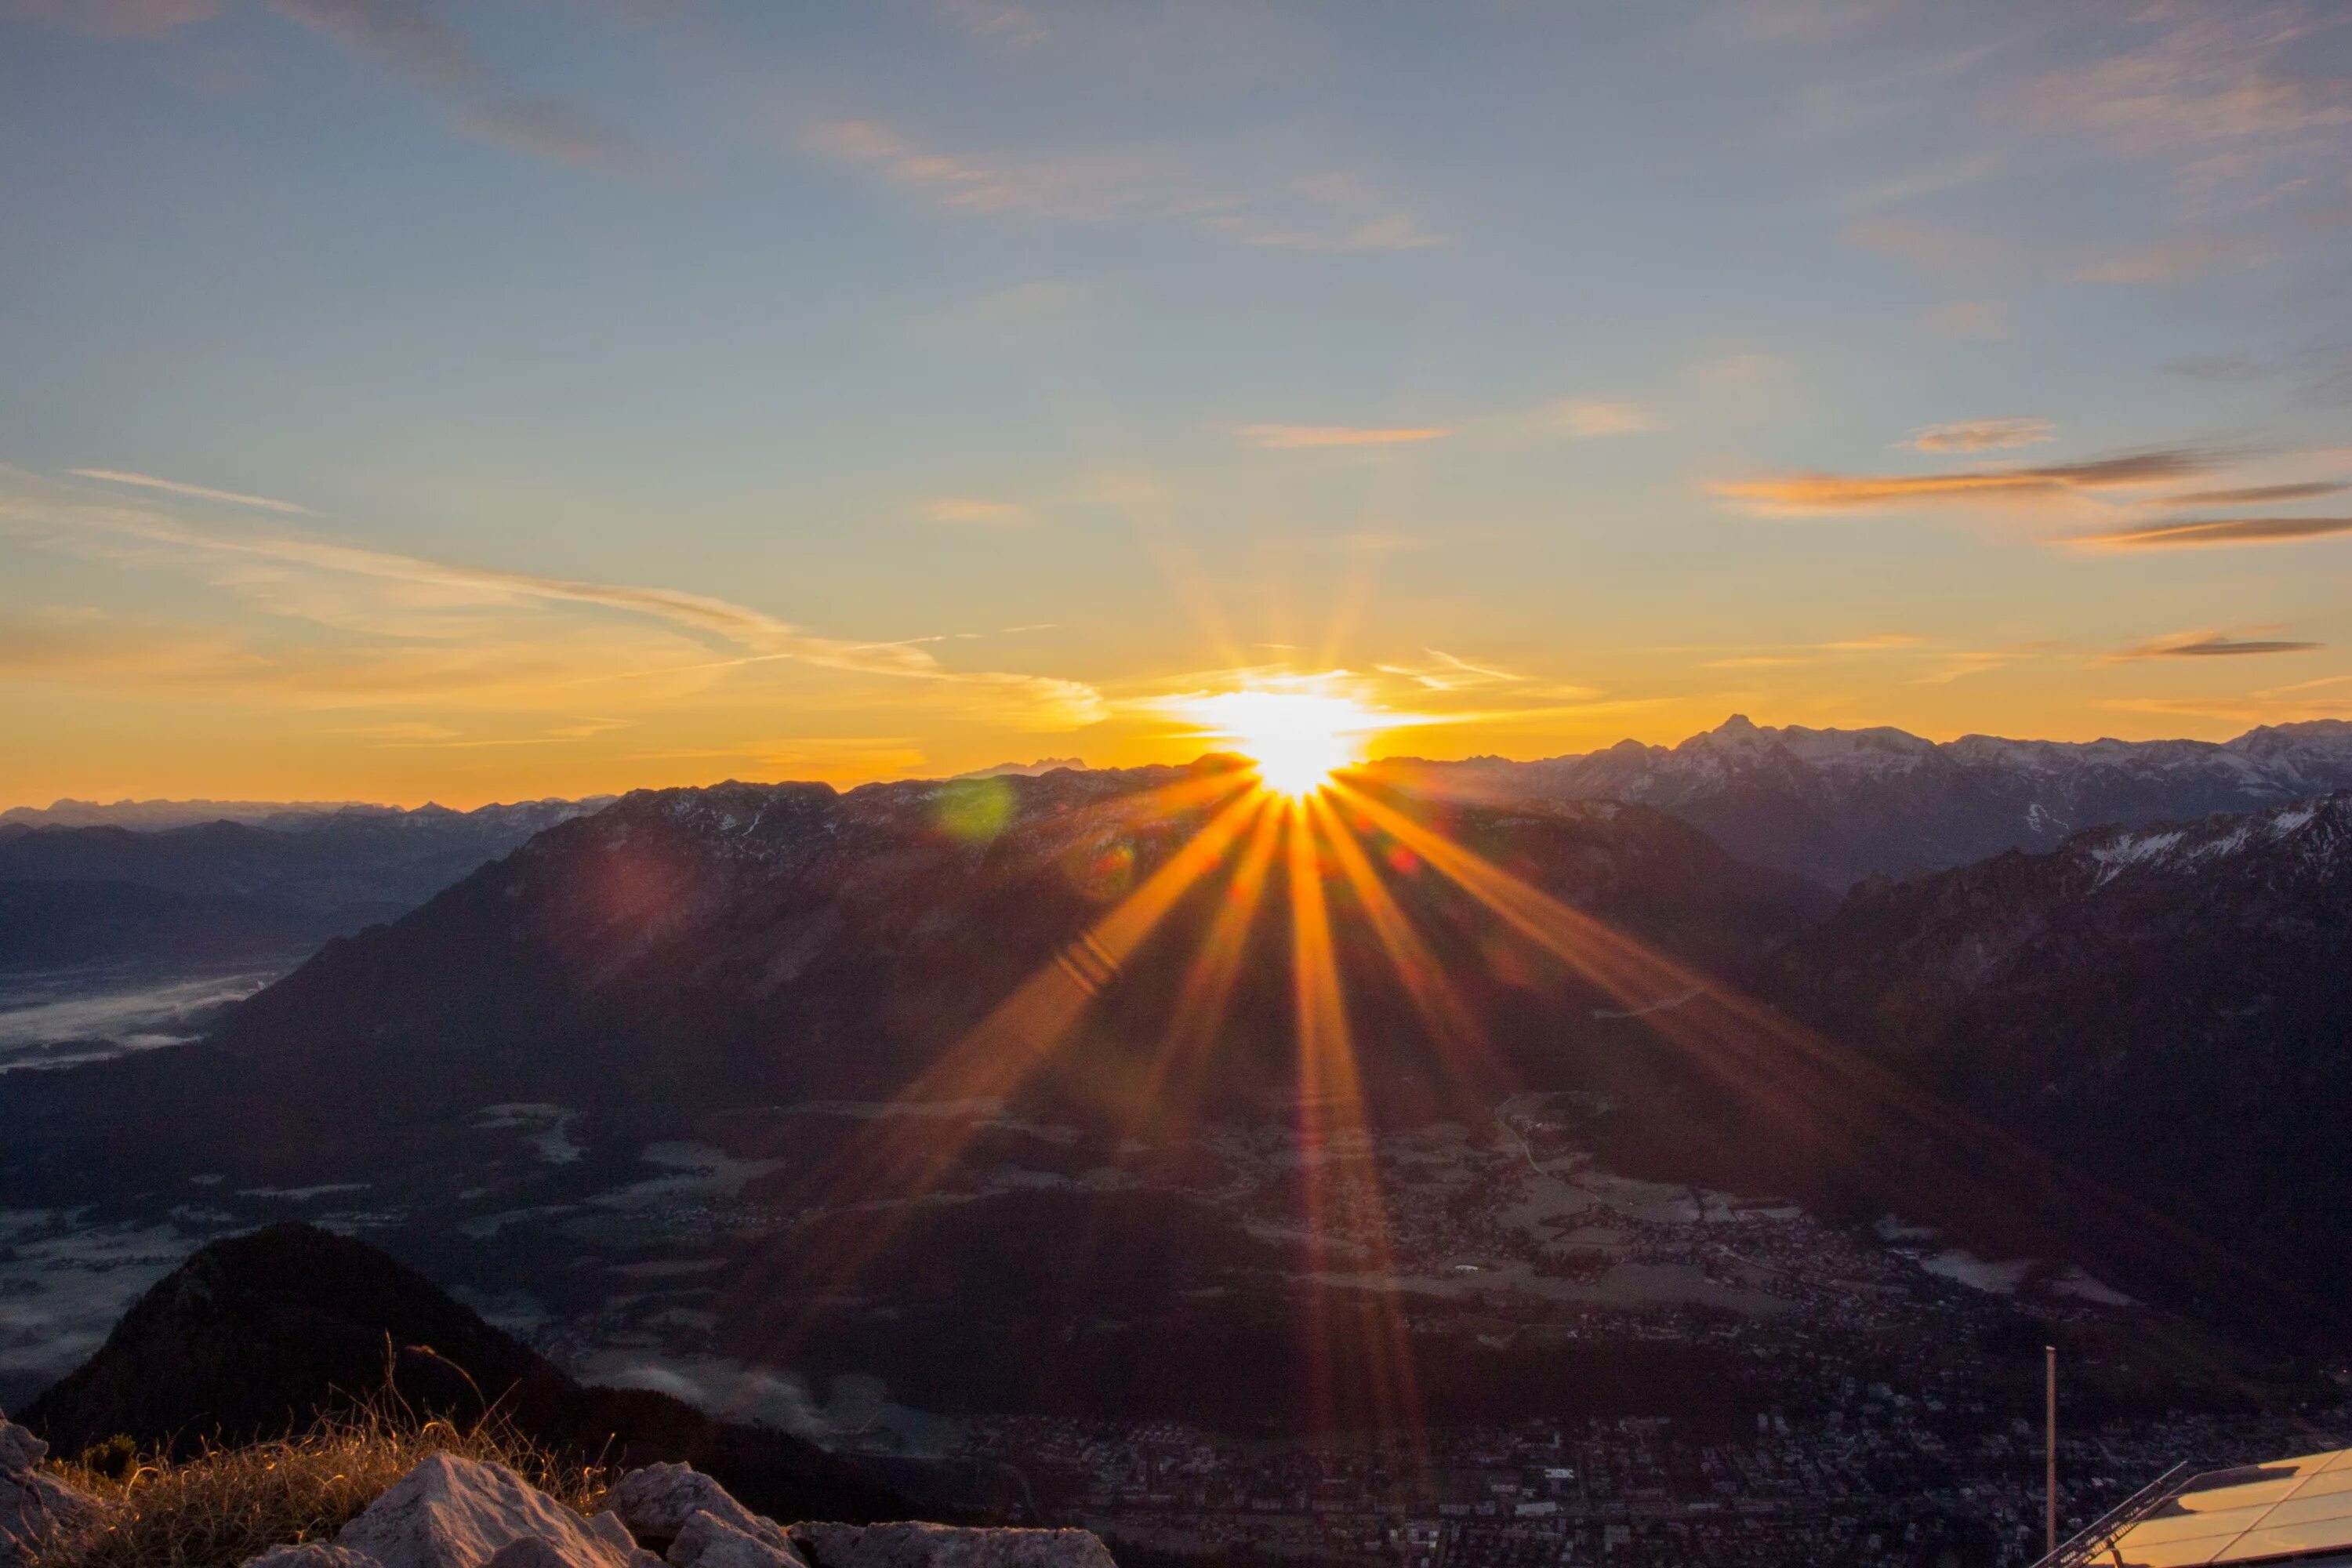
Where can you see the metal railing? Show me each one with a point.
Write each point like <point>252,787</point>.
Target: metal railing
<point>2082,1549</point>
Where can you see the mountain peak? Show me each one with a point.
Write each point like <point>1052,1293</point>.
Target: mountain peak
<point>290,1321</point>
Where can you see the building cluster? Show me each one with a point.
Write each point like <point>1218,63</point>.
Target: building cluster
<point>1880,1478</point>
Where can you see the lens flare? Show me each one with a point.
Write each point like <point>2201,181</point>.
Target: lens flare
<point>1297,739</point>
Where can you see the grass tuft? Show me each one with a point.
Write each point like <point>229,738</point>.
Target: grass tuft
<point>221,1506</point>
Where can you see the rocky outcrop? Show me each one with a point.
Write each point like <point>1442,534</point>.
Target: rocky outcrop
<point>449,1512</point>
<point>658,1502</point>
<point>34,1504</point>
<point>709,1542</point>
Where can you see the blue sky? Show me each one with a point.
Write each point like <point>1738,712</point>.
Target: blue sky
<point>606,394</point>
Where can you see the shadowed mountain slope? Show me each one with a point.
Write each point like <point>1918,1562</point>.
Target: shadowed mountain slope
<point>256,1335</point>
<point>2164,1007</point>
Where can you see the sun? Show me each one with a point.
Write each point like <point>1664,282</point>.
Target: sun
<point>1297,739</point>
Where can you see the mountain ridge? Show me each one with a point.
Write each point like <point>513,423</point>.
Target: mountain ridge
<point>2161,1005</point>
<point>1839,805</point>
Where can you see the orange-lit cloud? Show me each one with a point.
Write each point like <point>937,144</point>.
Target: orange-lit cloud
<point>2254,495</point>
<point>2212,645</point>
<point>1983,434</point>
<point>2211,531</point>
<point>314,578</point>
<point>1814,491</point>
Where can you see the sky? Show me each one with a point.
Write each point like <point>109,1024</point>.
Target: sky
<point>486,401</point>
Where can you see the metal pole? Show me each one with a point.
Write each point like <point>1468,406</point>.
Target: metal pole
<point>2049,1428</point>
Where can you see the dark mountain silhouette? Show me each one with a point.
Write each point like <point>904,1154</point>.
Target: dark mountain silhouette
<point>2165,1007</point>
<point>45,925</point>
<point>1838,806</point>
<point>153,814</point>
<point>752,942</point>
<point>260,1333</point>
<point>299,876</point>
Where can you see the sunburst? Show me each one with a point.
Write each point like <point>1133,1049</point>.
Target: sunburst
<point>1297,739</point>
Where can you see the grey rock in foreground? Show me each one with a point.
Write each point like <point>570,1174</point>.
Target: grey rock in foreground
<point>33,1503</point>
<point>19,1449</point>
<point>944,1546</point>
<point>449,1512</point>
<point>709,1542</point>
<point>658,1502</point>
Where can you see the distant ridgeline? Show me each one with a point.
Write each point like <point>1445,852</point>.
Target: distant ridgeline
<point>142,881</point>
<point>1838,806</point>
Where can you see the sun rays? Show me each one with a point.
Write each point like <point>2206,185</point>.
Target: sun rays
<point>1296,735</point>
<point>1306,873</point>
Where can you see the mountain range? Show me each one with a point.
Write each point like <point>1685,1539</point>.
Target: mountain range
<point>754,942</point>
<point>151,815</point>
<point>286,881</point>
<point>732,1031</point>
<point>749,1032</point>
<point>2163,1008</point>
<point>1838,806</point>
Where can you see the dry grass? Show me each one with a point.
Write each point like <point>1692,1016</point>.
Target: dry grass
<point>224,1504</point>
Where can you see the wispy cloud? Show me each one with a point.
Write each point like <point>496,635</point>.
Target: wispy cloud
<point>258,564</point>
<point>1971,321</point>
<point>1587,418</point>
<point>1931,244</point>
<point>1447,672</point>
<point>1877,643</point>
<point>1741,372</point>
<point>1983,434</point>
<point>2256,710</point>
<point>545,128</point>
<point>199,493</point>
<point>2225,369</point>
<point>1288,437</point>
<point>2254,495</point>
<point>1961,665</point>
<point>2213,530</point>
<point>1330,210</point>
<point>1905,643</point>
<point>414,43</point>
<point>2210,645</point>
<point>997,21</point>
<point>2173,260</point>
<point>1815,492</point>
<point>114,18</point>
<point>970,510</point>
<point>2205,82</point>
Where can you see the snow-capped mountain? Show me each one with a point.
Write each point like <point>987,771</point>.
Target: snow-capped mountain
<point>2164,1005</point>
<point>1841,805</point>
